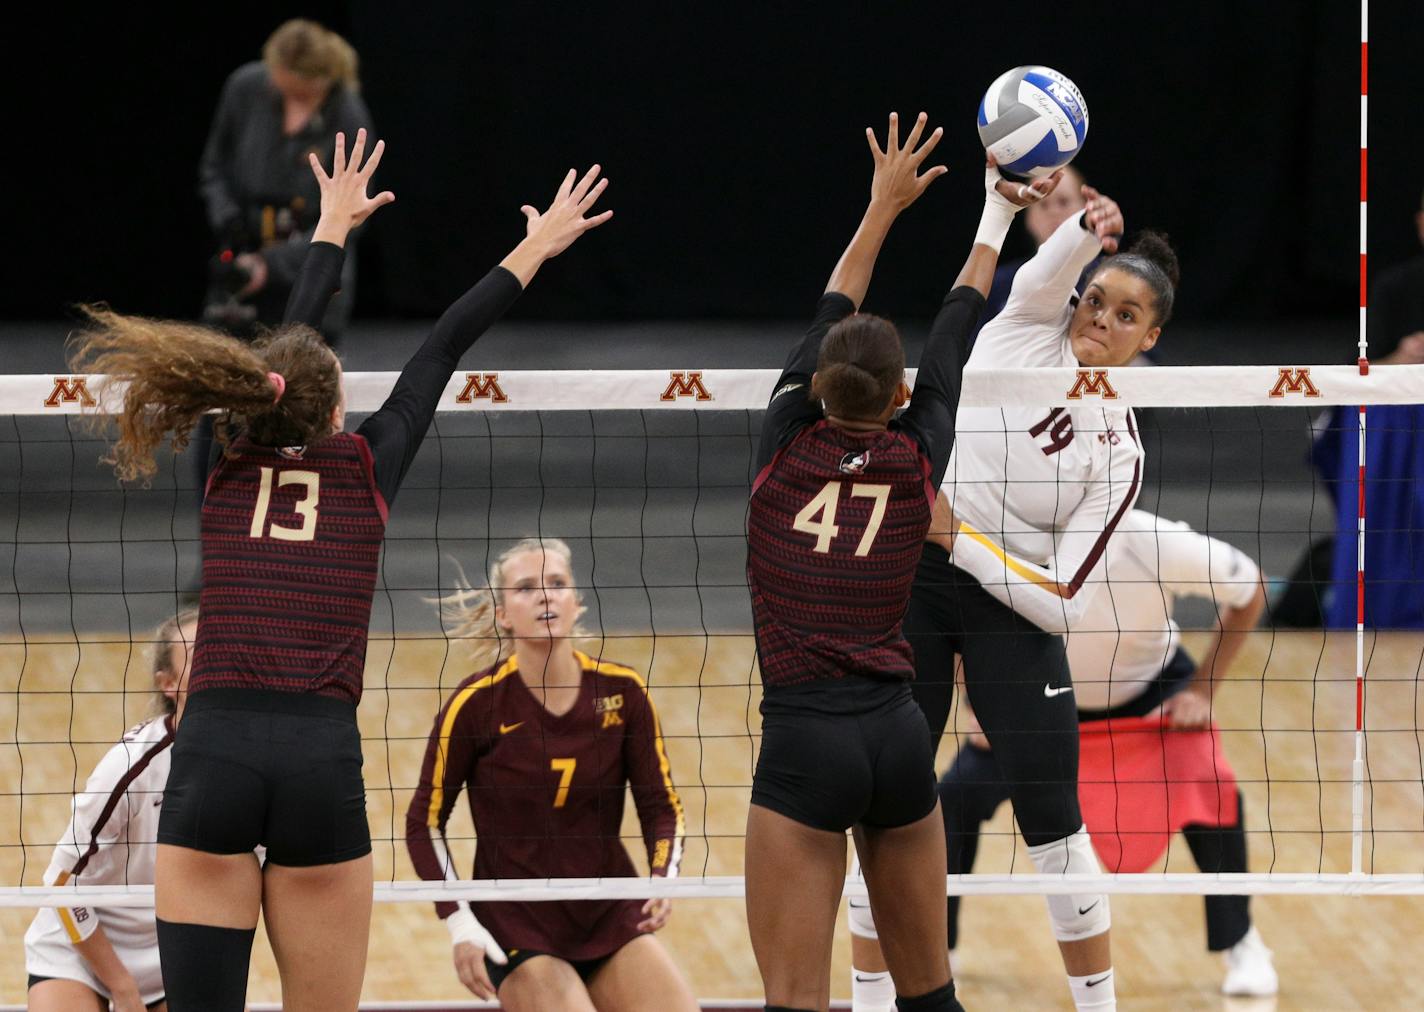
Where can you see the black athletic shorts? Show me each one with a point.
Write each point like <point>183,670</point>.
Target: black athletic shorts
<point>585,968</point>
<point>37,979</point>
<point>278,769</point>
<point>837,753</point>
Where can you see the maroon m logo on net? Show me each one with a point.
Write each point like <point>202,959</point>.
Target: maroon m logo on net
<point>1092,382</point>
<point>685,384</point>
<point>481,385</point>
<point>1295,381</point>
<point>69,389</point>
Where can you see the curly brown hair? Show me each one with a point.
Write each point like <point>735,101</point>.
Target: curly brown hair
<point>173,373</point>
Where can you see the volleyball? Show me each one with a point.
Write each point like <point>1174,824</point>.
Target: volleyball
<point>1032,120</point>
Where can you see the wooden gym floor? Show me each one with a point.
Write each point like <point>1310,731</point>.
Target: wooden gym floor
<point>1288,716</point>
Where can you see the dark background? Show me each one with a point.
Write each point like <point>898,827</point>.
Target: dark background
<point>732,136</point>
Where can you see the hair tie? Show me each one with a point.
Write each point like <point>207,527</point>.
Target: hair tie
<point>277,380</point>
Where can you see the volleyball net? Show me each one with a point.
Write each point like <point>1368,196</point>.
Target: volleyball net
<point>646,475</point>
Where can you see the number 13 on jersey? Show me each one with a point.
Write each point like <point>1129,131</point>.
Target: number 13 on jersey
<point>818,516</point>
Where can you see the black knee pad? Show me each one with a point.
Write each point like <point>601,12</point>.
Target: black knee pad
<point>204,968</point>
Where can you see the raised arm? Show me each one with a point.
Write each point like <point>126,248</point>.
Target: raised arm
<point>1043,286</point>
<point>895,185</point>
<point>396,430</point>
<point>344,205</point>
<point>935,403</point>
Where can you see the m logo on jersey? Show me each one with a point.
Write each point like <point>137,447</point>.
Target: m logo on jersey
<point>480,385</point>
<point>685,384</point>
<point>69,389</point>
<point>1093,381</point>
<point>609,707</point>
<point>1294,381</point>
<point>855,463</point>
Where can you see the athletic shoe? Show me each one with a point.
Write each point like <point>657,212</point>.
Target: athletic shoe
<point>1249,970</point>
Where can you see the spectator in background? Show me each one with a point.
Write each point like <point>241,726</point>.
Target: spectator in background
<point>1394,496</point>
<point>261,197</point>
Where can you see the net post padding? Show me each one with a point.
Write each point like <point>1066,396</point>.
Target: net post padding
<point>734,887</point>
<point>748,389</point>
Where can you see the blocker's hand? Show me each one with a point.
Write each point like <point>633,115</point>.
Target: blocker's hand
<point>897,181</point>
<point>1103,218</point>
<point>555,229</point>
<point>658,909</point>
<point>943,524</point>
<point>344,203</point>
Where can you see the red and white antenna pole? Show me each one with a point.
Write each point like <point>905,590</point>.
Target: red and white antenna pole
<point>1357,798</point>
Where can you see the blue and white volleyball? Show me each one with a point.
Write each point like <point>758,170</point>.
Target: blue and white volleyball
<point>1032,120</point>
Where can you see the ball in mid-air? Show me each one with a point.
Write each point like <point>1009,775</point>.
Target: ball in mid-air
<point>1032,120</point>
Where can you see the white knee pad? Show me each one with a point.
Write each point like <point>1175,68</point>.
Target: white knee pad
<point>1075,916</point>
<point>862,921</point>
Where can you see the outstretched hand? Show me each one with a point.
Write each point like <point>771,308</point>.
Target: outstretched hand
<point>1103,217</point>
<point>897,181</point>
<point>344,204</point>
<point>550,232</point>
<point>556,228</point>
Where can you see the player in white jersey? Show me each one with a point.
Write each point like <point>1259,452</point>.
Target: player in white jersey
<point>1033,496</point>
<point>79,957</point>
<point>1127,662</point>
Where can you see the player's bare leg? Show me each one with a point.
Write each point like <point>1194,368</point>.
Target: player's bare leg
<point>56,995</point>
<point>641,977</point>
<point>545,984</point>
<point>904,874</point>
<point>319,921</point>
<point>795,875</point>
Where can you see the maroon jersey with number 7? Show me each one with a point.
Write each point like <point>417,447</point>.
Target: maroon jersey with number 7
<point>546,792</point>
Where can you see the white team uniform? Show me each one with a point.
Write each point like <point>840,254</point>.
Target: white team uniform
<point>1127,635</point>
<point>111,840</point>
<point>1038,491</point>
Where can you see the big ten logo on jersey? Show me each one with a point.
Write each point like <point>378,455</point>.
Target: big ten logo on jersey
<point>69,390</point>
<point>1089,382</point>
<point>609,707</point>
<point>1059,427</point>
<point>1294,381</point>
<point>661,853</point>
<point>81,914</point>
<point>482,386</point>
<point>685,384</point>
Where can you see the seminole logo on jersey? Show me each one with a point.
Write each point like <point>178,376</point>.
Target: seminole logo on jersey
<point>684,384</point>
<point>481,385</point>
<point>1093,381</point>
<point>292,452</point>
<point>1295,381</point>
<point>609,707</point>
<point>69,389</point>
<point>855,463</point>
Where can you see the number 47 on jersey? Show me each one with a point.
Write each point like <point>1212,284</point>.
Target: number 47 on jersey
<point>818,517</point>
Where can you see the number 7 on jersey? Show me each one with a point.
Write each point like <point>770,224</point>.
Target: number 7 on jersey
<point>823,506</point>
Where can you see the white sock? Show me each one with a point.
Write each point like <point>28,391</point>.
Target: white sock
<point>871,991</point>
<point>1095,991</point>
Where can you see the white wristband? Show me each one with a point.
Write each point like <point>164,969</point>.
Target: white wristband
<point>464,927</point>
<point>998,213</point>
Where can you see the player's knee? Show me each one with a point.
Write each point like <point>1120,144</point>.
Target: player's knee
<point>862,921</point>
<point>1075,916</point>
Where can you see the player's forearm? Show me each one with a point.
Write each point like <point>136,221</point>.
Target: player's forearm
<point>99,953</point>
<point>851,276</point>
<point>1236,625</point>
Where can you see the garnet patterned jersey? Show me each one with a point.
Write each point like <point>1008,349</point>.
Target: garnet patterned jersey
<point>838,517</point>
<point>546,792</point>
<point>291,541</point>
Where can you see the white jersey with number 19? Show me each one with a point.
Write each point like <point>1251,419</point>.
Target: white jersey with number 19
<point>1038,491</point>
